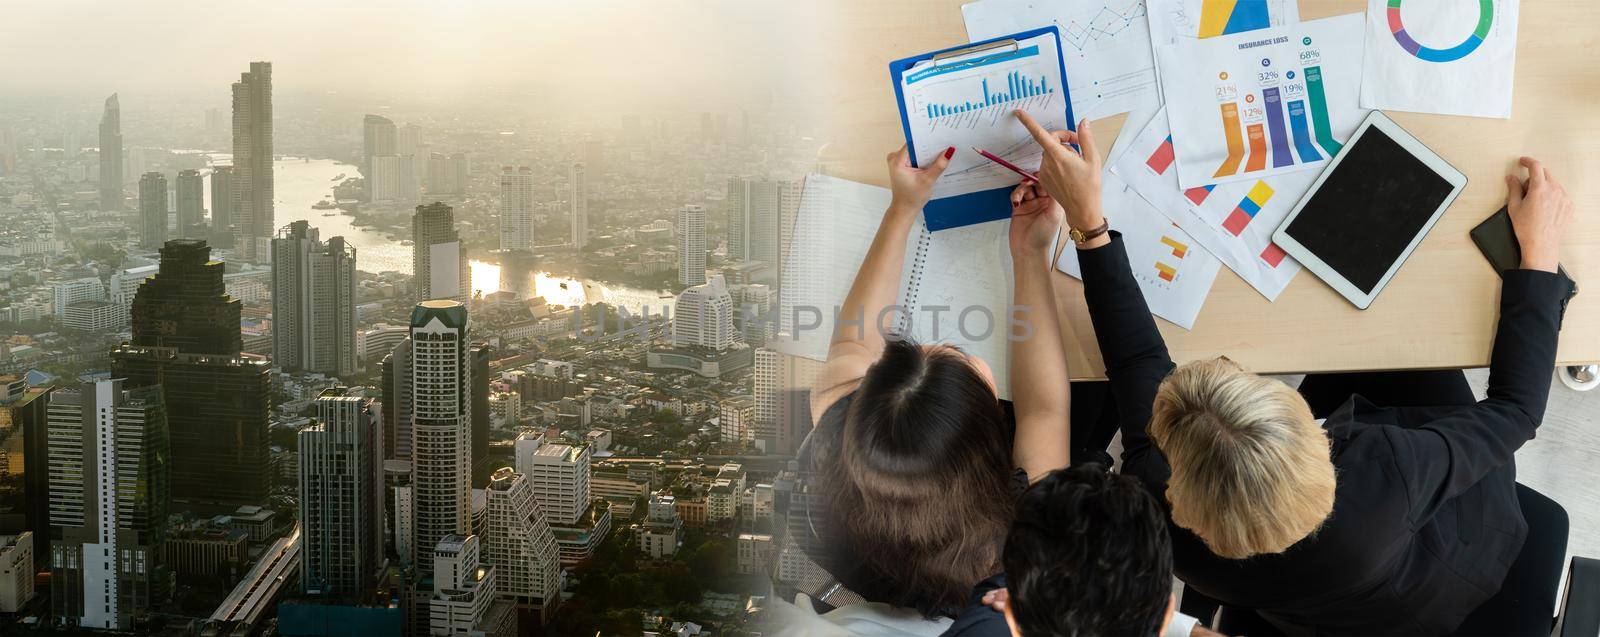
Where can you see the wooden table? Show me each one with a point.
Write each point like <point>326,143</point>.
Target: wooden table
<point>1440,309</point>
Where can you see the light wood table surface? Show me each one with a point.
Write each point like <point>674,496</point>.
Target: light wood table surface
<point>1439,310</point>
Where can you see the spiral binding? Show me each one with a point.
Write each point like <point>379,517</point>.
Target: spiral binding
<point>914,284</point>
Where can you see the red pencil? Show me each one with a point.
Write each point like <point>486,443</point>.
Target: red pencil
<point>1012,167</point>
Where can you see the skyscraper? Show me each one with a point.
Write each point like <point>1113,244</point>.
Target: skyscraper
<point>392,179</point>
<point>313,302</point>
<point>439,267</point>
<point>377,138</point>
<point>481,354</point>
<point>24,467</point>
<point>186,339</point>
<point>252,162</point>
<point>702,316</point>
<point>441,378</point>
<point>559,475</point>
<point>152,211</point>
<point>692,245</point>
<point>447,174</point>
<point>578,199</point>
<point>111,155</point>
<point>782,406</point>
<point>222,206</point>
<point>191,205</point>
<point>520,545</point>
<point>396,388</point>
<point>516,208</point>
<point>108,503</point>
<point>341,496</point>
<point>757,211</point>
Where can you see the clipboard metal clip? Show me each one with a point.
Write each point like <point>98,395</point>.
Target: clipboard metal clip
<point>973,54</point>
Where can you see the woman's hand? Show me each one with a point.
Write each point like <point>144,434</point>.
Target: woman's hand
<point>1035,220</point>
<point>1072,179</point>
<point>1540,213</point>
<point>913,186</point>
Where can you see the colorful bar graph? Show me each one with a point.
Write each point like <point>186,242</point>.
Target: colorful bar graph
<point>1319,111</point>
<point>1017,88</point>
<point>1198,195</point>
<point>1247,208</point>
<point>1258,148</point>
<point>1166,272</point>
<point>1230,130</point>
<point>1161,160</point>
<point>1178,247</point>
<point>1273,102</point>
<point>1302,134</point>
<point>1273,255</point>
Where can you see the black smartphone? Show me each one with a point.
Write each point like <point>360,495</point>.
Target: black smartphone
<point>1497,239</point>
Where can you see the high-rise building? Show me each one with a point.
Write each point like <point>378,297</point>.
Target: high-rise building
<point>341,496</point>
<point>578,200</point>
<point>559,475</point>
<point>313,302</point>
<point>392,179</point>
<point>702,316</point>
<point>191,205</point>
<point>520,545</point>
<point>68,292</point>
<point>516,208</point>
<point>186,339</point>
<point>17,571</point>
<point>111,155</point>
<point>439,267</point>
<point>692,245</point>
<point>447,174</point>
<point>252,163</point>
<point>222,202</point>
<point>463,587</point>
<point>24,467</point>
<point>152,211</point>
<point>441,382</point>
<point>396,381</point>
<point>481,354</point>
<point>377,138</point>
<point>756,209</point>
<point>108,503</point>
<point>782,405</point>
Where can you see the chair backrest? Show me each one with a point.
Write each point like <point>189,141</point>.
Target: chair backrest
<point>1579,613</point>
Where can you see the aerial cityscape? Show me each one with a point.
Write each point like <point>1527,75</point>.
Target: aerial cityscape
<point>287,348</point>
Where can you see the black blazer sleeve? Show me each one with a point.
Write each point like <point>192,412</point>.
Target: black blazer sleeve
<point>1450,454</point>
<point>1135,356</point>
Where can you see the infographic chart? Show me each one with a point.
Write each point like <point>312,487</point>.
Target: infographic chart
<point>1262,103</point>
<point>1173,271</point>
<point>967,102</point>
<point>1105,46</point>
<point>1232,221</point>
<point>1455,57</point>
<point>1174,20</point>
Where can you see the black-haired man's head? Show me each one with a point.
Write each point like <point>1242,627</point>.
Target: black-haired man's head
<point>1088,554</point>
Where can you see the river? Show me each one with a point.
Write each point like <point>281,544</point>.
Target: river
<point>299,184</point>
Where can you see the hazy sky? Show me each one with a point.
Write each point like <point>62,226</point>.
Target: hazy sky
<point>672,52</point>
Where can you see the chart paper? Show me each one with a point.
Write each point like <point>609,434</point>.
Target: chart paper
<point>1453,57</point>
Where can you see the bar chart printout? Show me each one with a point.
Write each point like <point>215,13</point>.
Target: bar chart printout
<point>1173,272</point>
<point>967,102</point>
<point>1233,221</point>
<point>1262,103</point>
<point>1105,45</point>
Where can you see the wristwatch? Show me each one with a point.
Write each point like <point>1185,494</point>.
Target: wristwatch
<point>1081,237</point>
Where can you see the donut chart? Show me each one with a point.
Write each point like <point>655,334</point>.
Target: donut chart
<point>1481,33</point>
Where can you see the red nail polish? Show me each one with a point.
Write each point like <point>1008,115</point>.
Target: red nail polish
<point>948,152</point>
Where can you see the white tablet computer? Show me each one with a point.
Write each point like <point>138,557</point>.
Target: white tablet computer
<point>1369,209</point>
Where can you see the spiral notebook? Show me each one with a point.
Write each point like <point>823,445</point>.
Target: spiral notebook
<point>952,279</point>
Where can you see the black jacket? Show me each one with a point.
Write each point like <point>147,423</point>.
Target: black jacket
<point>1425,519</point>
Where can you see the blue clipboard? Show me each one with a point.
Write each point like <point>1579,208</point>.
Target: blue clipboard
<point>983,205</point>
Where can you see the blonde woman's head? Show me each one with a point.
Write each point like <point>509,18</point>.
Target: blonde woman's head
<point>1251,471</point>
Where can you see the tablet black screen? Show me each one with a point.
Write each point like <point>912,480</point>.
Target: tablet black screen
<point>1369,209</point>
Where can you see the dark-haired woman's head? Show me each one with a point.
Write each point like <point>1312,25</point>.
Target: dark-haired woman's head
<point>921,487</point>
